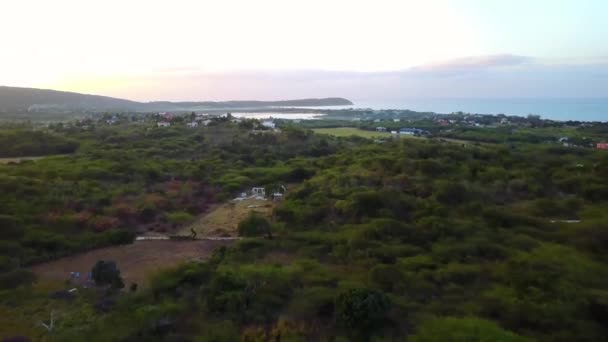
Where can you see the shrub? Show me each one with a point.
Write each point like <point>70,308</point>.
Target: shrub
<point>15,278</point>
<point>361,310</point>
<point>106,273</point>
<point>10,228</point>
<point>254,225</point>
<point>179,217</point>
<point>120,237</point>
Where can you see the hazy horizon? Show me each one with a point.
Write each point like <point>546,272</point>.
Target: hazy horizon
<point>271,50</point>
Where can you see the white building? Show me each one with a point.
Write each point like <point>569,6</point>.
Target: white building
<point>269,124</point>
<point>192,124</point>
<point>163,124</point>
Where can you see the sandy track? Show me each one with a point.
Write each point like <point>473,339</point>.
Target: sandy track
<point>136,261</point>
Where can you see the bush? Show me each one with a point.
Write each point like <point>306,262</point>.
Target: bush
<point>312,302</point>
<point>10,228</point>
<point>106,273</point>
<point>254,225</point>
<point>361,311</point>
<point>179,217</point>
<point>15,278</point>
<point>120,237</point>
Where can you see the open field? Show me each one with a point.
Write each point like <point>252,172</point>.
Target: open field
<point>18,159</point>
<point>224,218</point>
<point>136,261</point>
<point>349,131</point>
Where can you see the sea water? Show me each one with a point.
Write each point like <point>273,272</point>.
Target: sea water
<point>562,109</point>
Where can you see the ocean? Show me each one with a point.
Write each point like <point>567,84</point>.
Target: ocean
<point>582,109</point>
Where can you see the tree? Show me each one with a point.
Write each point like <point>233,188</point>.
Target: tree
<point>254,225</point>
<point>361,311</point>
<point>10,228</point>
<point>107,273</point>
<point>51,325</point>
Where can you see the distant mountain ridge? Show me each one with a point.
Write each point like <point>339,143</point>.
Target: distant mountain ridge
<point>33,99</point>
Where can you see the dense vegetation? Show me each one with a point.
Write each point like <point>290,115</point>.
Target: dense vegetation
<point>18,143</point>
<point>134,179</point>
<point>409,238</point>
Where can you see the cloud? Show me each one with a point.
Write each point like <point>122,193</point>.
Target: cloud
<point>491,76</point>
<point>475,63</point>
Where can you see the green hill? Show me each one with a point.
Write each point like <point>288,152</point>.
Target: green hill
<point>14,99</point>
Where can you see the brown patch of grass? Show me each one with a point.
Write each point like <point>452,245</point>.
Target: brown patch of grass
<point>223,220</point>
<point>136,261</point>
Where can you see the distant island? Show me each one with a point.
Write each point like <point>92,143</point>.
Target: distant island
<point>43,100</point>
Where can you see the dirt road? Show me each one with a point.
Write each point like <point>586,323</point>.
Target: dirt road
<point>136,261</point>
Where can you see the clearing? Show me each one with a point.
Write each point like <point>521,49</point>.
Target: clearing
<point>29,158</point>
<point>138,260</point>
<point>350,131</point>
<point>19,159</point>
<point>224,219</point>
<point>135,261</point>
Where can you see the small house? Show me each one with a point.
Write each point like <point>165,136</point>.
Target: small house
<point>192,124</point>
<point>163,124</point>
<point>381,129</point>
<point>407,131</point>
<point>258,191</point>
<point>269,124</point>
<point>165,115</point>
<point>564,141</point>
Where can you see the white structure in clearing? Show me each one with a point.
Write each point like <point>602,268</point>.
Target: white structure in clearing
<point>258,191</point>
<point>269,124</point>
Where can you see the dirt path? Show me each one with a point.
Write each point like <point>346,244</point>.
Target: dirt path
<point>136,261</point>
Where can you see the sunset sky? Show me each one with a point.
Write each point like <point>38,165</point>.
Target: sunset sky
<point>231,49</point>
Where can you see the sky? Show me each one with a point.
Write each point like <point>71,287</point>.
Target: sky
<point>277,49</point>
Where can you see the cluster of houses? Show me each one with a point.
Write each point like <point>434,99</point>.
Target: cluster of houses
<point>165,120</point>
<point>585,142</point>
<point>259,193</point>
<point>473,121</point>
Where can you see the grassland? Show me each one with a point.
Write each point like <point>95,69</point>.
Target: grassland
<point>19,159</point>
<point>350,131</point>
